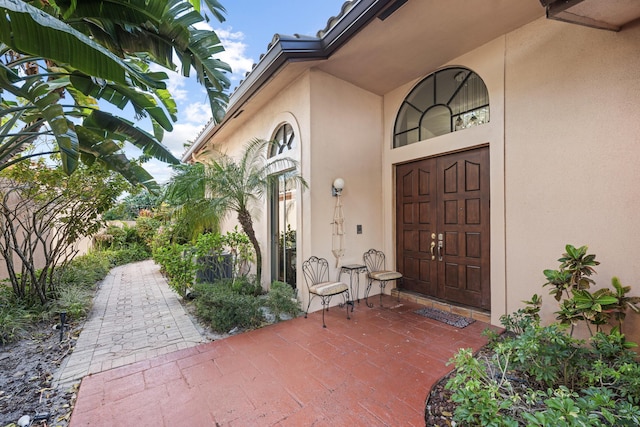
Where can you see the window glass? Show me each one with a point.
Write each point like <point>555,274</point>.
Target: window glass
<point>446,101</point>
<point>284,139</point>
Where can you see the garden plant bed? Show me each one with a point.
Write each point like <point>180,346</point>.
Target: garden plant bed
<point>439,407</point>
<point>28,367</point>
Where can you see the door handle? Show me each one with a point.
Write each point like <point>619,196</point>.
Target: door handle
<point>440,250</point>
<point>433,245</point>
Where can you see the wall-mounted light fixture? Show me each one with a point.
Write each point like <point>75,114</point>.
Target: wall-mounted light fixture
<point>336,188</point>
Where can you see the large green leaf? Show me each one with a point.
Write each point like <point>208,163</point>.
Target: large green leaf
<point>31,31</point>
<point>96,148</point>
<point>39,94</point>
<point>131,171</point>
<point>121,96</point>
<point>100,121</point>
<point>160,27</point>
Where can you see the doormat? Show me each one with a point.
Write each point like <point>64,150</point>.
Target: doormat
<point>444,317</point>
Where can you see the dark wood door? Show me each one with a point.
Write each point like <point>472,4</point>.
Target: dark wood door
<point>442,214</point>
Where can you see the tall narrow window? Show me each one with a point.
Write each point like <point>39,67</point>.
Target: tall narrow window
<point>283,213</point>
<point>446,101</point>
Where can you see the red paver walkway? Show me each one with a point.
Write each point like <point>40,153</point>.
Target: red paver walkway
<point>375,369</point>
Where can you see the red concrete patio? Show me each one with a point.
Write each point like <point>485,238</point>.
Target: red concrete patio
<point>375,369</point>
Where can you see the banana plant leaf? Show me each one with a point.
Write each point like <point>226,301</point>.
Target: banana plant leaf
<point>29,30</point>
<point>112,126</point>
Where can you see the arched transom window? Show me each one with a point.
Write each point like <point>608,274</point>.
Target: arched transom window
<point>446,101</point>
<point>284,140</point>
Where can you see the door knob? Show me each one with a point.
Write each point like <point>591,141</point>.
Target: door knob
<point>433,245</point>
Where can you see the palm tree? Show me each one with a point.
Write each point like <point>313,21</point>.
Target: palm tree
<point>238,185</point>
<point>192,211</point>
<point>100,50</point>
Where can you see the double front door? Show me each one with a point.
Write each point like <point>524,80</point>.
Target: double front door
<point>442,220</point>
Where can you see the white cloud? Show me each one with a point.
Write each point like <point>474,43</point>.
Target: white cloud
<point>234,50</point>
<point>182,134</point>
<point>161,172</point>
<point>176,86</point>
<point>197,112</point>
<point>234,53</point>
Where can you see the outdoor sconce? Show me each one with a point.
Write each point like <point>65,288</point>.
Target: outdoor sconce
<point>336,188</point>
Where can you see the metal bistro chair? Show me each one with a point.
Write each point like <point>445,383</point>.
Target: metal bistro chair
<point>375,262</point>
<point>316,275</point>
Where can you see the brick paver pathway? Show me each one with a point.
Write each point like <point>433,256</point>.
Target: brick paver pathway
<point>136,316</point>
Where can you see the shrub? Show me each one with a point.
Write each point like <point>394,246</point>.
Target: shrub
<point>281,299</point>
<point>541,375</point>
<point>132,253</point>
<point>245,285</point>
<point>570,287</point>
<point>84,270</point>
<point>75,300</point>
<point>14,317</point>
<point>146,229</point>
<point>224,309</point>
<point>234,243</point>
<point>544,377</point>
<point>176,262</point>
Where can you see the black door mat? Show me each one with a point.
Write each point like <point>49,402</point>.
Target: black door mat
<point>444,317</point>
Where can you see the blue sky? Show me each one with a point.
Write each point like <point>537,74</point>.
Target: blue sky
<point>248,29</point>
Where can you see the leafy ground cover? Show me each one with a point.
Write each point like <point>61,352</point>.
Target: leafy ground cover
<point>541,375</point>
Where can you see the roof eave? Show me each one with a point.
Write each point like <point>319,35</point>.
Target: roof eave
<point>292,49</point>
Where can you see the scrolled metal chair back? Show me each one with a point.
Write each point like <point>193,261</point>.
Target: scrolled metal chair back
<point>374,260</point>
<point>316,270</point>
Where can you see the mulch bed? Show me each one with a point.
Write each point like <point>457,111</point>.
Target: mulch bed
<point>27,370</point>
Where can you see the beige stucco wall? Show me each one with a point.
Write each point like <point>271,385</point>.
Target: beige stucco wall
<point>346,142</point>
<point>563,141</point>
<point>279,110</point>
<point>564,150</point>
<point>572,152</point>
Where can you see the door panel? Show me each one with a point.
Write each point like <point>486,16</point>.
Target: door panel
<point>415,187</point>
<point>446,197</point>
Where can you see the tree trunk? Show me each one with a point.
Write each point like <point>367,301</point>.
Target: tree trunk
<point>244,218</point>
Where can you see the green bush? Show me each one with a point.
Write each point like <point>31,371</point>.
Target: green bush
<point>176,262</point>
<point>84,270</point>
<point>541,375</point>
<point>224,309</point>
<point>245,285</point>
<point>15,319</point>
<point>281,299</point>
<point>133,253</point>
<point>75,300</point>
<point>146,229</point>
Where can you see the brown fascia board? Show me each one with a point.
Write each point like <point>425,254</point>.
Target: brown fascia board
<point>293,49</point>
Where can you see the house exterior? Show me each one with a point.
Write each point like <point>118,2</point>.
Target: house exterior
<point>475,140</point>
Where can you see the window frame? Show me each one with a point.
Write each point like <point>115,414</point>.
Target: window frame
<point>467,99</point>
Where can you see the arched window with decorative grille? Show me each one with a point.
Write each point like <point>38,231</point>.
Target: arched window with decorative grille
<point>284,139</point>
<point>283,211</point>
<point>449,100</point>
